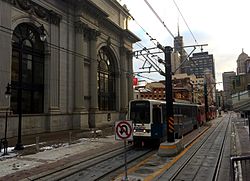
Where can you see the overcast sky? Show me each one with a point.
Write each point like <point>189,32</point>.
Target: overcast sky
<point>222,24</point>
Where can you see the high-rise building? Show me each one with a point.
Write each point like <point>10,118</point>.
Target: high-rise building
<point>175,62</point>
<point>228,79</point>
<point>201,62</point>
<point>178,48</point>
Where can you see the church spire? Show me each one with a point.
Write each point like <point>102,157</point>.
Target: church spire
<point>178,28</point>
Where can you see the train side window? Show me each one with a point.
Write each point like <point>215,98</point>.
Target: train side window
<point>156,115</point>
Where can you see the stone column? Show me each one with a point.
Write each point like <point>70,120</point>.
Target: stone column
<point>124,80</point>
<point>130,76</point>
<point>92,35</point>
<point>79,66</point>
<point>5,49</point>
<point>53,82</point>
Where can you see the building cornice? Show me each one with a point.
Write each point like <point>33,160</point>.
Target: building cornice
<point>90,7</point>
<point>131,36</point>
<point>89,33</point>
<point>35,9</point>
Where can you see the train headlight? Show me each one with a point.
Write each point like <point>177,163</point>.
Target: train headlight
<point>144,131</point>
<point>134,130</point>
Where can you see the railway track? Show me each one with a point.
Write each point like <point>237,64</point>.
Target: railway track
<point>200,165</point>
<point>97,167</point>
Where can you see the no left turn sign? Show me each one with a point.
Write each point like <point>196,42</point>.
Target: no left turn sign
<point>123,130</point>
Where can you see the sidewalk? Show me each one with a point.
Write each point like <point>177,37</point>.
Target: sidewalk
<point>242,137</point>
<point>54,151</point>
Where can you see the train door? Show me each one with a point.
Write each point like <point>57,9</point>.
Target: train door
<point>156,126</point>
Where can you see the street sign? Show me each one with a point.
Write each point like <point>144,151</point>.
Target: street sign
<point>123,130</point>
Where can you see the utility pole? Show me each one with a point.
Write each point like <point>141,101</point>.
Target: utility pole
<point>168,94</point>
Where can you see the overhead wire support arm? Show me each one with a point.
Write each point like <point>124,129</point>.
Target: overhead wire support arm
<point>152,63</point>
<point>142,72</point>
<point>145,77</point>
<point>145,52</point>
<point>199,45</point>
<point>189,46</point>
<point>144,67</point>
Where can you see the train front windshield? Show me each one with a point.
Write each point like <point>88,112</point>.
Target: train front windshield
<point>139,112</point>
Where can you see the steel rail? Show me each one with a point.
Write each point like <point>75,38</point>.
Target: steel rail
<point>79,172</point>
<point>129,162</point>
<point>219,161</point>
<point>67,172</point>
<point>78,162</point>
<point>173,177</point>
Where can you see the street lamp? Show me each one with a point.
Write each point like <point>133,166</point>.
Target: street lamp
<point>19,145</point>
<point>41,30</point>
<point>5,141</point>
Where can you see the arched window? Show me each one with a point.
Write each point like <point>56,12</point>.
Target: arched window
<point>106,80</point>
<point>27,70</point>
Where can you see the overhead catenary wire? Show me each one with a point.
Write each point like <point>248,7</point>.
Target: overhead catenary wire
<point>168,28</point>
<point>151,38</point>
<point>139,45</point>
<point>185,21</point>
<point>147,58</point>
<point>159,18</point>
<point>151,8</point>
<point>145,77</point>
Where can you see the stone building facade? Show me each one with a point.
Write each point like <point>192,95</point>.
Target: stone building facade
<point>241,63</point>
<point>79,77</point>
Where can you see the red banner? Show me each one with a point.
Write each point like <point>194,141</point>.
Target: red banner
<point>135,81</point>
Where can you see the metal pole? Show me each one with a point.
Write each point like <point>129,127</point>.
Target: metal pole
<point>168,94</point>
<point>206,99</point>
<point>5,142</point>
<point>249,124</point>
<point>19,145</point>
<point>192,89</point>
<point>6,121</point>
<point>37,144</point>
<point>125,158</point>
